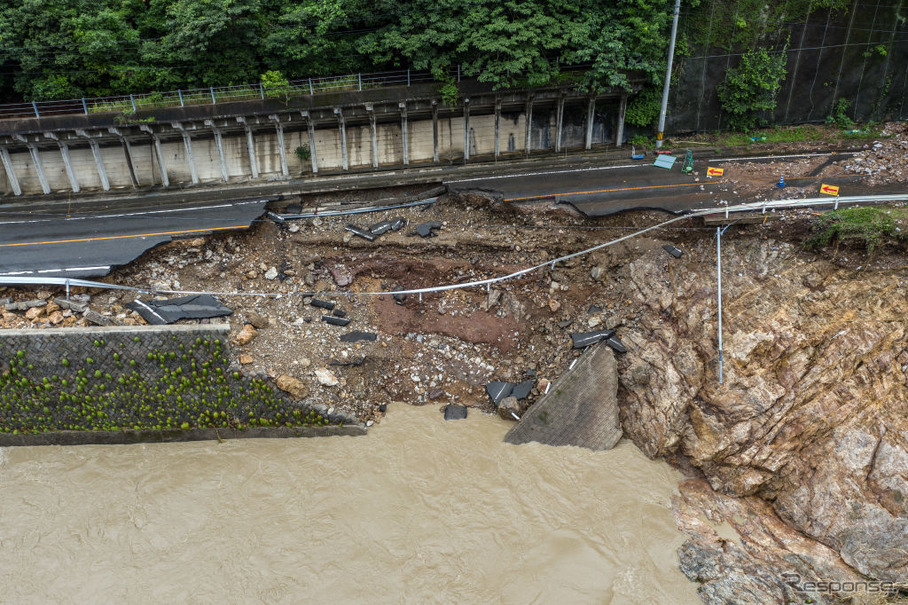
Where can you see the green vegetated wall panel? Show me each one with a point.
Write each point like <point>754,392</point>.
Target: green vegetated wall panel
<point>137,379</point>
<point>859,53</point>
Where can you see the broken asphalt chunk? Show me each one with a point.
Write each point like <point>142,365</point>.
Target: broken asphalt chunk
<point>357,335</point>
<point>616,344</point>
<point>425,229</point>
<point>672,250</point>
<point>585,339</point>
<point>522,390</point>
<point>398,223</point>
<point>455,412</point>
<point>363,233</point>
<point>163,312</point>
<point>335,321</point>
<point>323,304</point>
<point>339,313</point>
<point>499,390</point>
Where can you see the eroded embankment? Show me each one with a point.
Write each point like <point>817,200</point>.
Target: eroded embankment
<point>811,419</point>
<point>806,438</point>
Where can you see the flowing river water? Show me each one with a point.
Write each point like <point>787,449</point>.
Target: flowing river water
<point>419,511</point>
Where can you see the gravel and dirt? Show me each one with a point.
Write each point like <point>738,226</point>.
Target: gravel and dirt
<point>809,423</point>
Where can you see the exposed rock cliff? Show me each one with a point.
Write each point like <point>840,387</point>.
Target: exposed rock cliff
<point>813,413</point>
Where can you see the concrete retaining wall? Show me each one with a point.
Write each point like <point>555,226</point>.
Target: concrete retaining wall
<point>261,146</point>
<point>581,407</point>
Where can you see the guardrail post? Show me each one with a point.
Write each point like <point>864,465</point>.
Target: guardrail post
<point>262,90</point>
<point>311,91</point>
<point>458,72</point>
<point>408,77</point>
<point>213,100</point>
<point>84,106</point>
<point>35,107</point>
<point>132,100</point>
<point>360,78</point>
<point>180,94</point>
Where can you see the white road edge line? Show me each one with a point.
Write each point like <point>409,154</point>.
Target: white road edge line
<point>129,214</point>
<point>596,168</point>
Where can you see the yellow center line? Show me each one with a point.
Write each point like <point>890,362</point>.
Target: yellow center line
<point>713,182</point>
<point>110,237</point>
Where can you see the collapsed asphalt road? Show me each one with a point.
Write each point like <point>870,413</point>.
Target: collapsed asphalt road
<point>637,184</point>
<point>91,245</point>
<point>33,244</point>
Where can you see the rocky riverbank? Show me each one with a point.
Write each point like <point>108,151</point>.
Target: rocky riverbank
<point>810,424</point>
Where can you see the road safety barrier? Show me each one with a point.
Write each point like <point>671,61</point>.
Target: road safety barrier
<point>751,207</point>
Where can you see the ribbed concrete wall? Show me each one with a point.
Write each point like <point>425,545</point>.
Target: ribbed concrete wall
<point>443,137</point>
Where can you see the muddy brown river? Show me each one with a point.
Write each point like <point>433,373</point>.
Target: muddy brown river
<point>419,511</point>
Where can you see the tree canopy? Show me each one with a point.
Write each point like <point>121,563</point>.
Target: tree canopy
<point>52,49</point>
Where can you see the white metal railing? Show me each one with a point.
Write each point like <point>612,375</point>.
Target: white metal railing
<point>483,283</point>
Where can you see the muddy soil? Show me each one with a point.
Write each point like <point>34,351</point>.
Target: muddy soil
<point>436,349</point>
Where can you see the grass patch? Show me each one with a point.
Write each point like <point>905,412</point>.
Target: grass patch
<point>867,225</point>
<point>806,133</point>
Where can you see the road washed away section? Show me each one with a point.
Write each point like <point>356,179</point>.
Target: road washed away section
<point>91,245</point>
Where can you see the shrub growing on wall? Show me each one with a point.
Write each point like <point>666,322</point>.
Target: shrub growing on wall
<point>751,88</point>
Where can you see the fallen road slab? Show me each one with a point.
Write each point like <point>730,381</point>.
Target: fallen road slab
<point>455,412</point>
<point>363,233</point>
<point>581,340</point>
<point>165,312</point>
<point>427,229</point>
<point>580,409</point>
<point>91,245</point>
<point>357,336</point>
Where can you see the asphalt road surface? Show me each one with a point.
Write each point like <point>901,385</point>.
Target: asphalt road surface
<point>34,243</point>
<point>90,245</point>
<point>637,185</point>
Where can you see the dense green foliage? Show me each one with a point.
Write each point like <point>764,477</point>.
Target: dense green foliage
<point>751,88</point>
<point>53,49</point>
<point>742,24</point>
<point>190,387</point>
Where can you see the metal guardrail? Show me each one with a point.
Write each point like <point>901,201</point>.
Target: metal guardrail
<point>133,103</point>
<point>483,283</point>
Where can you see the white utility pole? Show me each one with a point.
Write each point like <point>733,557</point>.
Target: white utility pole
<point>660,134</point>
<point>719,274</point>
